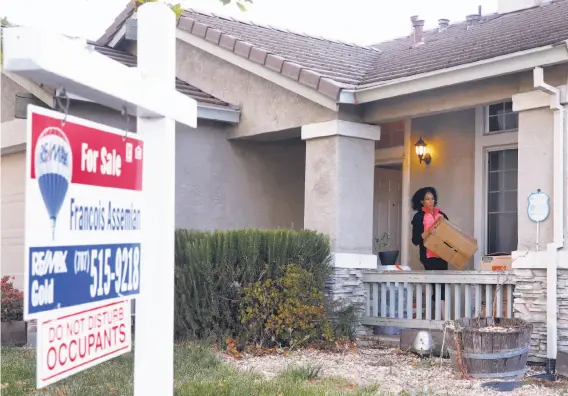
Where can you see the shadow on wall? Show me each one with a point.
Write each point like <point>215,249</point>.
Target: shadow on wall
<point>224,184</point>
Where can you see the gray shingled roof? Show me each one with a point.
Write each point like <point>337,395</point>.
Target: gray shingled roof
<point>130,60</point>
<point>329,66</point>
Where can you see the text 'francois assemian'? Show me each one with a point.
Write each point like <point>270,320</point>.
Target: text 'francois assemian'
<point>104,216</point>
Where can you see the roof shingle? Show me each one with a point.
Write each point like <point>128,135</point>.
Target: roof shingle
<point>329,66</point>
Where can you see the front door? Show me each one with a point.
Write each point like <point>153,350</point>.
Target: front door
<point>388,205</point>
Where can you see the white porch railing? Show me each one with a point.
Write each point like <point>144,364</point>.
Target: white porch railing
<point>404,298</point>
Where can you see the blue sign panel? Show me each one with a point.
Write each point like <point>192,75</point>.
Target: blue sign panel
<point>65,276</point>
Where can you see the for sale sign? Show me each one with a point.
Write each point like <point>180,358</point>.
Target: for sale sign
<point>72,343</point>
<point>84,213</point>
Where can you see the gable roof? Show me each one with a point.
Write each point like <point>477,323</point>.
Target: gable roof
<point>329,66</point>
<point>195,93</point>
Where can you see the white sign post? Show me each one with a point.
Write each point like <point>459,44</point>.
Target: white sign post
<point>154,355</point>
<point>147,92</point>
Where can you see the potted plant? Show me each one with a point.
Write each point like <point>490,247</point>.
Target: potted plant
<point>387,257</point>
<point>13,326</point>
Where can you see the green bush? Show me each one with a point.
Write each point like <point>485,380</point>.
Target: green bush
<point>289,311</point>
<point>213,268</point>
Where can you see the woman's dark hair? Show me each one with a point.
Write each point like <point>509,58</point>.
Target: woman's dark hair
<point>419,196</point>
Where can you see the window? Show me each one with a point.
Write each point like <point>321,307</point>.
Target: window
<point>501,117</point>
<point>502,201</point>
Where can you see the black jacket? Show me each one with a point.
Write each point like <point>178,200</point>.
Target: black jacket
<point>418,230</point>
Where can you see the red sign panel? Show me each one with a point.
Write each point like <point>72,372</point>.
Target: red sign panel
<point>97,158</point>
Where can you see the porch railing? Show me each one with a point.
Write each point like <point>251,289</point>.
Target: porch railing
<point>412,299</point>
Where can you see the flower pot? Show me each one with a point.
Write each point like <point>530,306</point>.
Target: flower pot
<point>388,258</point>
<point>14,333</point>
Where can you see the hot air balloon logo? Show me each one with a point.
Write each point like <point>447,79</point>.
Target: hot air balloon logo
<point>53,170</point>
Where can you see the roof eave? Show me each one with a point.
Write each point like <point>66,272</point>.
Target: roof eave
<point>512,63</point>
<point>204,112</point>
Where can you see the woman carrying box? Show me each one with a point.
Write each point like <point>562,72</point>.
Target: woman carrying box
<point>424,202</point>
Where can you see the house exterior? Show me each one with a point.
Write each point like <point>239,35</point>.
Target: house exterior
<point>326,134</point>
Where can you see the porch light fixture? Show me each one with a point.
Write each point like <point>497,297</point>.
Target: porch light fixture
<point>423,156</point>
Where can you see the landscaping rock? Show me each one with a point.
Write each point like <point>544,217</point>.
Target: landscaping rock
<point>394,370</point>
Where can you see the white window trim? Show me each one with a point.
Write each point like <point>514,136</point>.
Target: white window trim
<point>484,143</point>
<point>486,131</point>
<point>486,151</point>
<point>397,155</point>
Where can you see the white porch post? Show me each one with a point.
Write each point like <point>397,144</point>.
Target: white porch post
<point>339,187</point>
<point>155,318</point>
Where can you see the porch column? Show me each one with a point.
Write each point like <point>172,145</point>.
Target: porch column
<point>339,186</point>
<point>531,262</point>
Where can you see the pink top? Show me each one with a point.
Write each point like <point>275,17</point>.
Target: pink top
<point>429,220</point>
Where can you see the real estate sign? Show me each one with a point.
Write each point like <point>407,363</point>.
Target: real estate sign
<point>84,213</point>
<point>83,240</point>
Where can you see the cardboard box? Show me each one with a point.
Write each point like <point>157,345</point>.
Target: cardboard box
<point>496,262</point>
<point>450,243</point>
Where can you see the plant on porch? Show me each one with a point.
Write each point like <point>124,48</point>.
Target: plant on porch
<point>386,257</point>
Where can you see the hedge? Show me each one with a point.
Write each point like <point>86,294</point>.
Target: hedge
<point>212,268</point>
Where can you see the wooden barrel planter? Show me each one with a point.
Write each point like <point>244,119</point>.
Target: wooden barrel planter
<point>492,348</point>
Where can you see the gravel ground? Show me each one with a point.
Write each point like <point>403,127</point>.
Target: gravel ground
<point>394,370</point>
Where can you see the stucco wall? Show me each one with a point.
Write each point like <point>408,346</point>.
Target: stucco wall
<point>265,105</point>
<point>460,96</point>
<point>9,90</point>
<point>224,184</point>
<point>13,167</point>
<point>451,142</point>
<point>536,150</point>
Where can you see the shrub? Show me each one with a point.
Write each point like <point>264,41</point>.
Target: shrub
<point>12,301</point>
<point>288,311</point>
<point>344,319</point>
<point>212,268</point>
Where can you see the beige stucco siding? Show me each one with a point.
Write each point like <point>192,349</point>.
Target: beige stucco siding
<point>12,172</point>
<point>459,96</point>
<point>224,184</point>
<point>9,90</point>
<point>265,106</point>
<point>535,172</point>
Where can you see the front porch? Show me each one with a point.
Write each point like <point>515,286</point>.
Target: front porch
<point>357,182</point>
<point>412,299</point>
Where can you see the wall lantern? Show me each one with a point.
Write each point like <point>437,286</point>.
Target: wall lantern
<point>423,156</point>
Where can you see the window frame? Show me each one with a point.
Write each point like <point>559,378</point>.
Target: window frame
<point>486,130</point>
<point>485,219</point>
